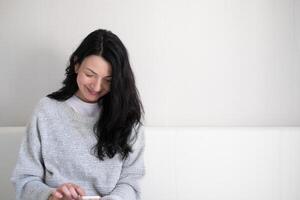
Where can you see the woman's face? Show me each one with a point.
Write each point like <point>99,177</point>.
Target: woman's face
<point>94,76</point>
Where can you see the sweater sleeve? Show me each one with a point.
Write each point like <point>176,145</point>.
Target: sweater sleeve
<point>28,174</point>
<point>133,170</point>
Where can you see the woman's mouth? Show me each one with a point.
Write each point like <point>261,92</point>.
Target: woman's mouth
<point>92,93</point>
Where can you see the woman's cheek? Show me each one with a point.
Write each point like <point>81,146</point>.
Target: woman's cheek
<point>84,80</point>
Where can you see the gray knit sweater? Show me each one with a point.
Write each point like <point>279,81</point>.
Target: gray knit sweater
<point>57,149</point>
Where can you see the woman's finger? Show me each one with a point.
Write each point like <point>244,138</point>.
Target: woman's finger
<point>73,192</point>
<point>79,190</point>
<point>64,189</point>
<point>57,194</point>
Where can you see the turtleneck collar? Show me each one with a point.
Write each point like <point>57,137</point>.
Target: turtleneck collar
<point>82,107</point>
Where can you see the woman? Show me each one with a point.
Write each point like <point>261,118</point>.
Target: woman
<point>86,138</point>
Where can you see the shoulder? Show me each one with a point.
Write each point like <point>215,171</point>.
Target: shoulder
<point>46,106</point>
<point>46,101</point>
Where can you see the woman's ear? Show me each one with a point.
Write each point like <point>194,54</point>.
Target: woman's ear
<point>76,68</point>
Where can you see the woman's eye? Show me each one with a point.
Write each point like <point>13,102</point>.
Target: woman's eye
<point>88,75</point>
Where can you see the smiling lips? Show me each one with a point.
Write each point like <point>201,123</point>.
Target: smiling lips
<point>92,93</point>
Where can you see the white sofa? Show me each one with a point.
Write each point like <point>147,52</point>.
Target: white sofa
<point>203,163</point>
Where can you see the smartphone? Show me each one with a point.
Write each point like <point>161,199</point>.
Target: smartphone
<point>90,197</point>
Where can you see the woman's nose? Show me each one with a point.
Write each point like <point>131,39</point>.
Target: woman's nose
<point>97,85</point>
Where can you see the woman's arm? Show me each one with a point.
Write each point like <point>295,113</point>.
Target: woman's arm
<point>28,174</point>
<point>128,186</point>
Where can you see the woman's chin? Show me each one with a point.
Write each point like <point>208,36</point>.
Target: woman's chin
<point>92,98</point>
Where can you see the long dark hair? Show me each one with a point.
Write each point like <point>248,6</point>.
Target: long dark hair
<point>122,110</point>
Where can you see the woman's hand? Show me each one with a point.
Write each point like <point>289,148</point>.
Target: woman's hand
<point>67,191</point>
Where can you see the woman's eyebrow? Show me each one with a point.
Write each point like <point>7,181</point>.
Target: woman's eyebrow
<point>91,71</point>
<point>96,73</point>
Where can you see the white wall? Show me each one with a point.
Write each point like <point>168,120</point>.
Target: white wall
<point>215,63</point>
<point>213,163</point>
